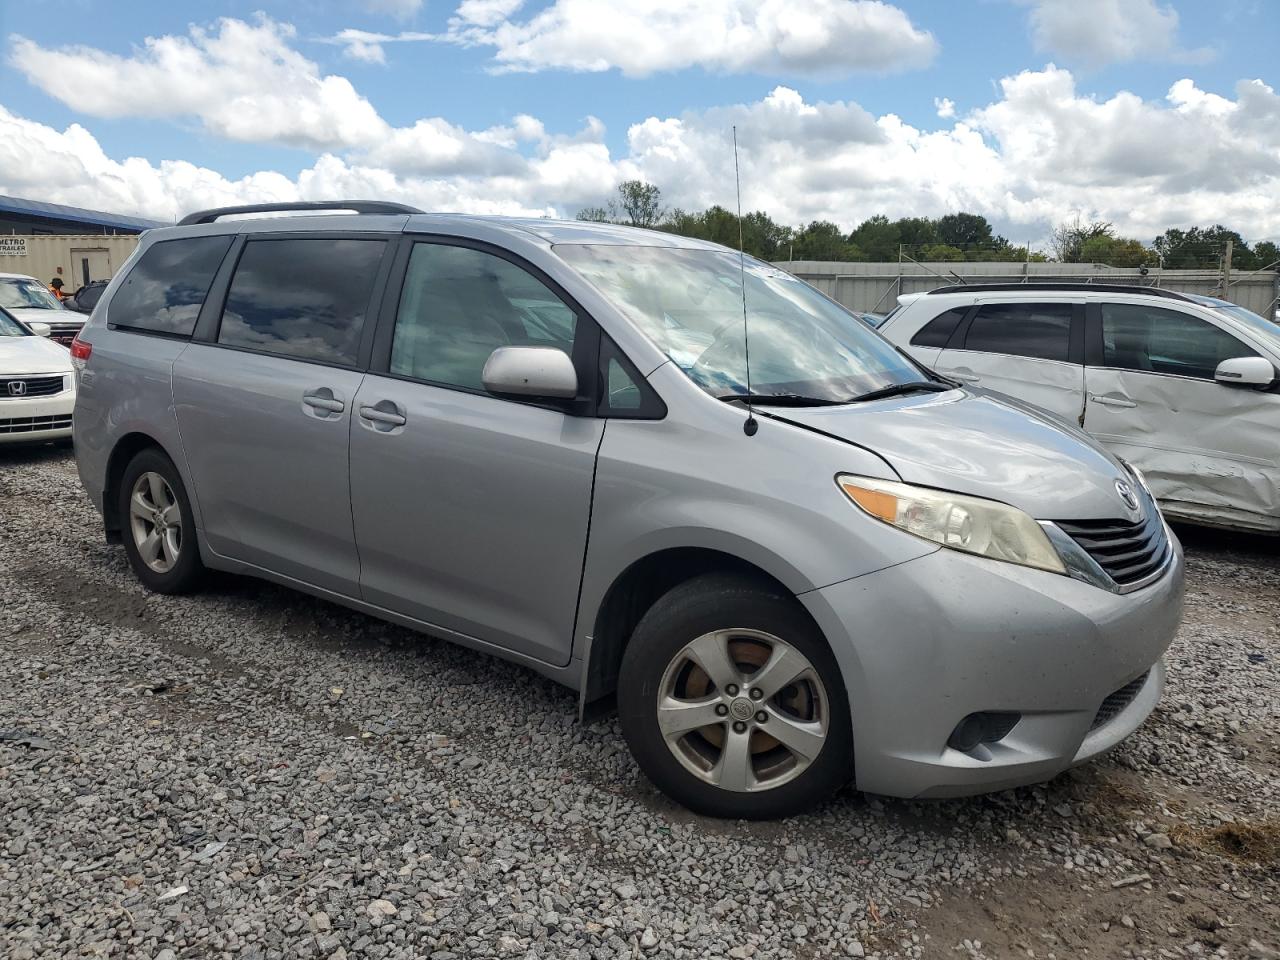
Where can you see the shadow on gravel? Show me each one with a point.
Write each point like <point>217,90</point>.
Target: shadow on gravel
<point>1252,547</point>
<point>26,455</point>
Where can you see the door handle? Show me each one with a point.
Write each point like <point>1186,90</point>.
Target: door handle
<point>390,418</point>
<point>327,404</point>
<point>1111,401</point>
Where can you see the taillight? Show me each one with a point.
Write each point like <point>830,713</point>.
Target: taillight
<point>80,350</point>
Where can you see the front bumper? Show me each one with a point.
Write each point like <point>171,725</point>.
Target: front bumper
<point>37,419</point>
<point>928,642</point>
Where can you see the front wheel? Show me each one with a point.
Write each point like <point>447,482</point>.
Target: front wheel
<point>159,532</point>
<point>732,703</point>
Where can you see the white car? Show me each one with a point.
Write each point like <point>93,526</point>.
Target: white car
<point>37,384</point>
<point>1183,387</point>
<point>31,302</point>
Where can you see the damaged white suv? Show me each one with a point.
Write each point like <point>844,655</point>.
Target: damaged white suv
<point>1183,387</point>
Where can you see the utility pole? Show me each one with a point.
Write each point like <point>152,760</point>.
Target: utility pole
<point>1226,269</point>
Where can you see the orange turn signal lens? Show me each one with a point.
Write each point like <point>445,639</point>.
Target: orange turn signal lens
<point>883,506</point>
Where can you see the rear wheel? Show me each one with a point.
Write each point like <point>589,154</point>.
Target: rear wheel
<point>732,702</point>
<point>159,533</point>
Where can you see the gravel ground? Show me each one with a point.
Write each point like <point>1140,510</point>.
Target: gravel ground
<point>250,772</point>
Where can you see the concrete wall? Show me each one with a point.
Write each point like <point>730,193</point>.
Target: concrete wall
<point>65,256</point>
<point>874,287</point>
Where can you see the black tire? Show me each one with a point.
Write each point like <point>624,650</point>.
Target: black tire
<point>187,571</point>
<point>688,611</point>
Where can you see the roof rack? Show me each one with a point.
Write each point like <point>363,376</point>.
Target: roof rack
<point>357,206</point>
<point>1048,285</point>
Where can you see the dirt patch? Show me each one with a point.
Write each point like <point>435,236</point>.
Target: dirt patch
<point>1246,842</point>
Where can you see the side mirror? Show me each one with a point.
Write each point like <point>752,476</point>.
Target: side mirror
<point>1245,371</point>
<point>543,372</point>
<point>40,329</point>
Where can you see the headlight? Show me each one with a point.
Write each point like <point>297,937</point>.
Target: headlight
<point>971,524</point>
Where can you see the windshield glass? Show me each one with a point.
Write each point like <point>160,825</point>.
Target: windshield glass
<point>25,295</point>
<point>10,327</point>
<point>689,303</point>
<point>1254,321</point>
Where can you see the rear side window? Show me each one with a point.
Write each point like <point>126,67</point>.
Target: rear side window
<point>938,331</point>
<point>1038,330</point>
<point>1155,340</point>
<point>165,289</point>
<point>302,298</point>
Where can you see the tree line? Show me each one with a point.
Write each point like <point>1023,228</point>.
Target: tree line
<point>953,237</point>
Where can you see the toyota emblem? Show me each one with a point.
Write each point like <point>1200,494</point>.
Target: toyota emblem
<point>1126,494</point>
<point>17,388</point>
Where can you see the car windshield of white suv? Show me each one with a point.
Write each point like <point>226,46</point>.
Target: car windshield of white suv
<point>26,295</point>
<point>1256,322</point>
<point>10,327</point>
<point>804,347</point>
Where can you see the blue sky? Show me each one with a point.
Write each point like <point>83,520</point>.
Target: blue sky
<point>959,51</point>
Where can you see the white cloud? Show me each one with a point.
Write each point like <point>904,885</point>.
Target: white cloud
<point>1039,153</point>
<point>945,106</point>
<point>368,47</point>
<point>1099,32</point>
<point>815,38</point>
<point>244,81</point>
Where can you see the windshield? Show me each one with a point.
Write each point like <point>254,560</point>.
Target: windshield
<point>26,295</point>
<point>689,303</point>
<point>1255,322</point>
<point>9,327</point>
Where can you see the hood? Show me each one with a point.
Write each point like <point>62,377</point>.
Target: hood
<point>32,355</point>
<point>43,314</point>
<point>983,444</point>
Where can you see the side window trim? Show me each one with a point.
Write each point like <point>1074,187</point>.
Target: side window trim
<point>585,342</point>
<point>651,406</point>
<point>209,323</point>
<point>1075,332</point>
<point>229,258</point>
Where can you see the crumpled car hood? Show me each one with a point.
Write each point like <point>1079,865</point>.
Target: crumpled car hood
<point>984,444</point>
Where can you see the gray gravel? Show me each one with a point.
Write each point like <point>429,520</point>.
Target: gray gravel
<point>250,772</point>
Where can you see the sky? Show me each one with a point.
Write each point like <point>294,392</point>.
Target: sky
<point>1144,113</point>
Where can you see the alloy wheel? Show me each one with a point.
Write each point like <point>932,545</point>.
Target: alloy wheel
<point>743,710</point>
<point>155,519</point>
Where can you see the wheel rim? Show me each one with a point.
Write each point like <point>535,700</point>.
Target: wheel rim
<point>743,710</point>
<point>156,522</point>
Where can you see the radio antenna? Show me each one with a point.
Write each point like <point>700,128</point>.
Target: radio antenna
<point>751,426</point>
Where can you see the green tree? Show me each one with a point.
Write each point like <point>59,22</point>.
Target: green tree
<point>877,238</point>
<point>916,233</point>
<point>1202,248</point>
<point>966,231</point>
<point>824,240</point>
<point>1267,254</point>
<point>641,203</point>
<point>594,214</point>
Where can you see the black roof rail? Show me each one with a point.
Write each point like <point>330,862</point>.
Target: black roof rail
<point>357,206</point>
<point>1049,285</point>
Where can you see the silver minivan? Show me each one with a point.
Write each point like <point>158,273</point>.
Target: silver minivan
<point>539,439</point>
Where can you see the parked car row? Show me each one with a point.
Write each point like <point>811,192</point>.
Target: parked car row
<point>1183,387</point>
<point>542,439</point>
<point>37,387</point>
<point>30,301</point>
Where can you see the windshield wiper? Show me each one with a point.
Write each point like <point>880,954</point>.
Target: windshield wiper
<point>898,389</point>
<point>781,400</point>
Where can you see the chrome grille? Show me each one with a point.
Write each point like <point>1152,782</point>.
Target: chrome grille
<point>1115,703</point>
<point>61,421</point>
<point>64,332</point>
<point>1128,551</point>
<point>31,387</point>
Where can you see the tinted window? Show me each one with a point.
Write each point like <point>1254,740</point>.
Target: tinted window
<point>164,291</point>
<point>302,298</point>
<point>1040,330</point>
<point>1155,340</point>
<point>938,331</point>
<point>459,305</point>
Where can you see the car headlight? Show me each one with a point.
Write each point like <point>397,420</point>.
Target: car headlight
<point>971,524</point>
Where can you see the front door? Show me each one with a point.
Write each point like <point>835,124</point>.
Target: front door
<point>1208,450</point>
<point>471,511</point>
<point>1031,351</point>
<point>265,411</point>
